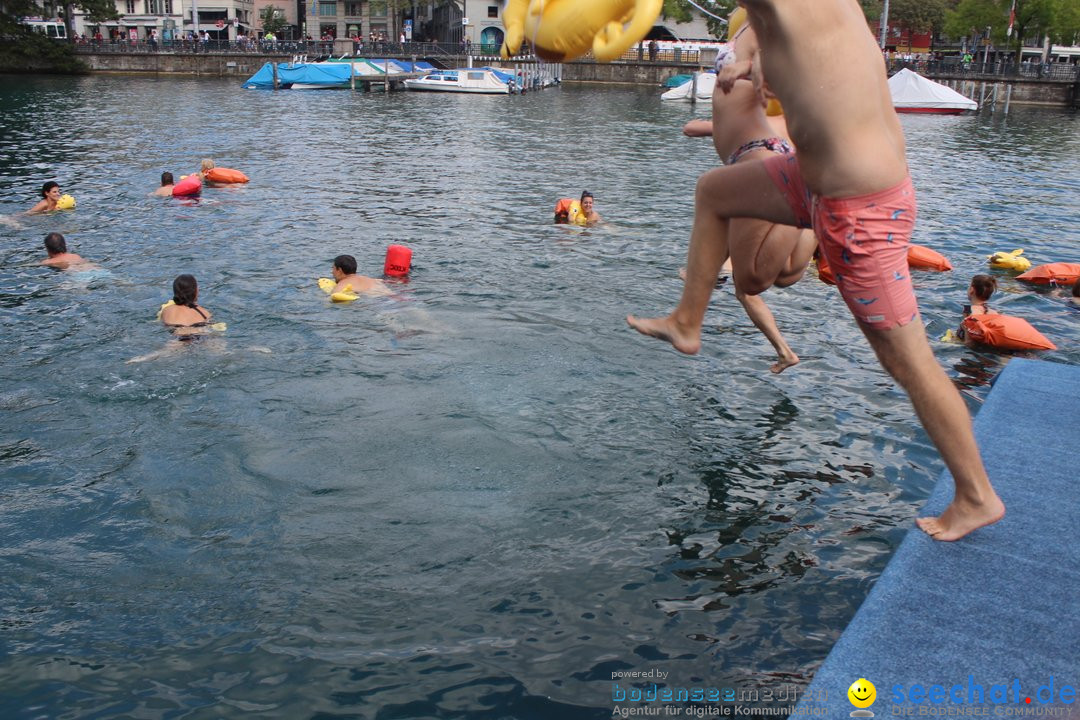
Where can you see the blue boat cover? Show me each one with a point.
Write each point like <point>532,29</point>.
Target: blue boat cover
<point>311,74</point>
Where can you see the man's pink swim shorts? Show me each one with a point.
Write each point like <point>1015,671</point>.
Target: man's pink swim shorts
<point>864,239</point>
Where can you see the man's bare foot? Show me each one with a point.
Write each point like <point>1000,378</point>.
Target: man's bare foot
<point>961,518</point>
<point>684,340</point>
<point>784,363</point>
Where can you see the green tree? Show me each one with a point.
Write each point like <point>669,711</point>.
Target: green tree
<point>1035,19</point>
<point>682,11</point>
<point>96,11</point>
<point>272,20</point>
<point>917,16</point>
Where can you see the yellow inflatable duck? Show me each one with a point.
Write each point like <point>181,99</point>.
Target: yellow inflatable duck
<point>346,295</point>
<point>66,202</point>
<point>561,30</point>
<point>1010,261</point>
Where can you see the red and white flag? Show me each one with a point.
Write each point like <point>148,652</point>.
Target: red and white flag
<point>1012,18</point>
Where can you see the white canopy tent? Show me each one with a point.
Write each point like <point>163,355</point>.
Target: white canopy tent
<point>911,92</point>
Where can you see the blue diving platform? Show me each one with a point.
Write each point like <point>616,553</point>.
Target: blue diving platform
<point>989,625</point>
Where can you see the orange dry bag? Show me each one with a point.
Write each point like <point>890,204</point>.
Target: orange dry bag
<point>919,256</point>
<point>1059,273</point>
<point>1006,332</point>
<point>225,175</point>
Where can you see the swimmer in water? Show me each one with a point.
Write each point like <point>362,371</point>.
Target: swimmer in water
<point>587,202</point>
<point>345,276</point>
<point>166,188</point>
<point>979,292</point>
<point>185,316</point>
<point>205,166</point>
<point>50,195</point>
<point>59,257</point>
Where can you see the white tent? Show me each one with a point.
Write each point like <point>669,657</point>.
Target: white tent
<point>911,92</point>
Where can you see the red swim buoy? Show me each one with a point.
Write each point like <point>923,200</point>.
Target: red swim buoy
<point>398,261</point>
<point>188,186</point>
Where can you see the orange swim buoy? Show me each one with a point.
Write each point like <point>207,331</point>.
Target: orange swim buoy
<point>225,175</point>
<point>923,258</point>
<point>1060,273</point>
<point>1006,332</point>
<point>398,261</point>
<point>188,186</point>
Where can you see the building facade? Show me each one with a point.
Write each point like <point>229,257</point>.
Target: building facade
<point>172,19</point>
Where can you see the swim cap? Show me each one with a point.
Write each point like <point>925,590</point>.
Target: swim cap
<point>735,21</point>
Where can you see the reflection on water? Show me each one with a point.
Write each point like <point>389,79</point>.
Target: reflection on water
<point>482,495</point>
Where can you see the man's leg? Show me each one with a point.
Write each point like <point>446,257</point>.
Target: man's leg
<point>906,355</point>
<point>741,190</point>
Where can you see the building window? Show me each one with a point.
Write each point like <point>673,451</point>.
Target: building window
<point>130,7</point>
<point>493,11</point>
<point>378,8</point>
<point>327,9</point>
<point>168,7</point>
<point>153,7</point>
<point>354,9</point>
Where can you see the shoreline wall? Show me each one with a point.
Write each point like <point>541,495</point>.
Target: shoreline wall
<point>1046,93</point>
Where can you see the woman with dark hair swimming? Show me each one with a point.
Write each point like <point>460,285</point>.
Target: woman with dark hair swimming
<point>184,314</point>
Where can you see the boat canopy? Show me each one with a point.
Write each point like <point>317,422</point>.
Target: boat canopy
<point>911,90</point>
<point>307,74</point>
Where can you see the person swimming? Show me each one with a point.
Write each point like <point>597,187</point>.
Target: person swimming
<point>185,317</point>
<point>979,292</point>
<point>166,188</point>
<point>58,255</point>
<point>50,196</point>
<point>345,277</point>
<point>587,202</point>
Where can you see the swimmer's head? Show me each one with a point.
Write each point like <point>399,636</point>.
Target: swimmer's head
<point>1076,289</point>
<point>207,164</point>
<point>587,201</point>
<point>983,286</point>
<point>735,21</point>
<point>47,187</point>
<point>185,290</point>
<point>55,244</point>
<point>346,264</point>
<point>167,179</point>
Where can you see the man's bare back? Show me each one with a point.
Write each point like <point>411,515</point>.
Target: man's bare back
<point>362,285</point>
<point>849,138</point>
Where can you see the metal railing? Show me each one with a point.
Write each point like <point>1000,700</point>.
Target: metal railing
<point>955,67</point>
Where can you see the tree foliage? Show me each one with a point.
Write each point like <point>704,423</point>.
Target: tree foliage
<point>1058,20</point>
<point>272,20</point>
<point>682,11</point>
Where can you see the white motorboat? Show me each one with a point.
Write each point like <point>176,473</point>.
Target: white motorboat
<point>464,80</point>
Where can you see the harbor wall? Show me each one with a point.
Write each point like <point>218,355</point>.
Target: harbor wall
<point>1051,93</point>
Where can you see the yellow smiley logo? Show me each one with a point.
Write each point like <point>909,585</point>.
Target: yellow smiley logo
<point>862,693</point>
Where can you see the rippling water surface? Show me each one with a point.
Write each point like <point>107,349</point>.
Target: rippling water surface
<point>481,496</point>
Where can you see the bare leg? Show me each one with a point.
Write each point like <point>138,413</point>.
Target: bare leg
<point>800,257</point>
<point>735,191</point>
<point>762,317</point>
<point>905,353</point>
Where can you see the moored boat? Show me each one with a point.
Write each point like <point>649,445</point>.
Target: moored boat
<point>484,80</point>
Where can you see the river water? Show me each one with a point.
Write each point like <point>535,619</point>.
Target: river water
<point>483,496</point>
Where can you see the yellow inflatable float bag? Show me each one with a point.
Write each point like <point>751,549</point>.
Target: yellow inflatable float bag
<point>346,295</point>
<point>735,21</point>
<point>562,30</point>
<point>1010,260</point>
<point>66,202</point>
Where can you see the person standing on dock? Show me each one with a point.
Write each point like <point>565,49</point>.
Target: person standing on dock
<point>850,182</point>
